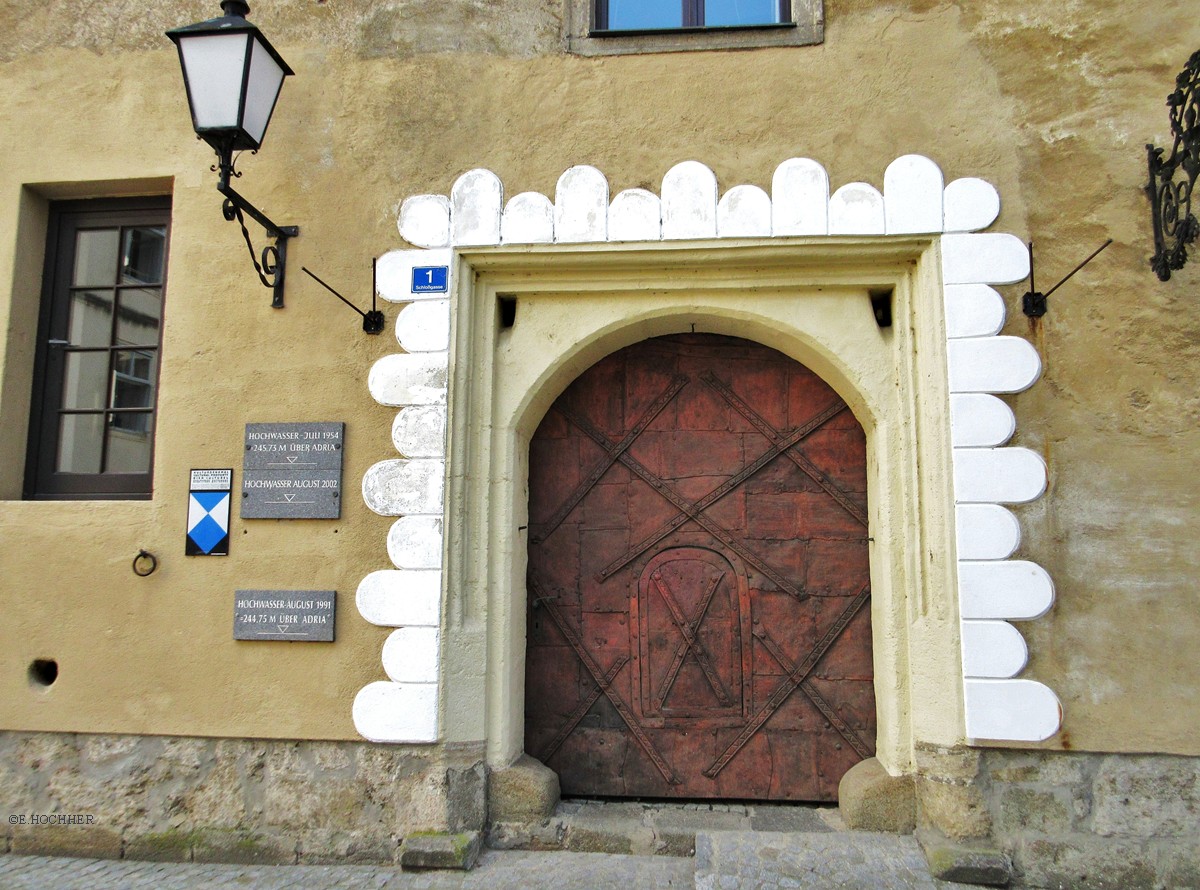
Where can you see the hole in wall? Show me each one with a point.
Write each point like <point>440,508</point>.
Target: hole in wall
<point>43,672</point>
<point>508,312</point>
<point>881,305</point>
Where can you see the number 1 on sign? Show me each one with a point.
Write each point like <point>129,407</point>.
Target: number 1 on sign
<point>430,279</point>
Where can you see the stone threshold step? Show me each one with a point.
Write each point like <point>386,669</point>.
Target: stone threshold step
<point>654,829</point>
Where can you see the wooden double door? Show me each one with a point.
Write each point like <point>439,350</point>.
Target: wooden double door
<point>699,614</point>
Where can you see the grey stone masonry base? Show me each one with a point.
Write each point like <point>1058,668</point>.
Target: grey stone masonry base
<point>231,800</point>
<point>1064,819</point>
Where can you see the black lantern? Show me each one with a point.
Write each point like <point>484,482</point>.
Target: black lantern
<point>1175,225</point>
<point>233,77</point>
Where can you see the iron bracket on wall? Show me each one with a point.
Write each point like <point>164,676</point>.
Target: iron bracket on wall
<point>372,320</point>
<point>1175,226</point>
<point>1033,303</point>
<point>274,256</point>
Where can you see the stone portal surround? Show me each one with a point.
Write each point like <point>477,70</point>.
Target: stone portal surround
<point>988,475</point>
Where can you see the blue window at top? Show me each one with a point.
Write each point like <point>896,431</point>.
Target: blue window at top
<point>654,15</point>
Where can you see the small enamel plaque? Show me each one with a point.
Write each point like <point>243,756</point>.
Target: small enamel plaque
<point>430,279</point>
<point>208,513</point>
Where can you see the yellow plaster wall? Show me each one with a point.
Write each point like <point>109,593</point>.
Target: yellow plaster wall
<point>1050,101</point>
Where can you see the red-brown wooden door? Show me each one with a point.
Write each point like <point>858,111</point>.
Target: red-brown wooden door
<point>699,616</point>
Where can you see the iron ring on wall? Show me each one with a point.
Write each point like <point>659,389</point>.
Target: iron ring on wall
<point>140,562</point>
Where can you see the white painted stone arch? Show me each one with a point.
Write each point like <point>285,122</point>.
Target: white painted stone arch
<point>683,318</point>
<point>439,598</point>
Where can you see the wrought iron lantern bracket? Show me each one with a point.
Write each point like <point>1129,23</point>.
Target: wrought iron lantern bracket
<point>1175,225</point>
<point>274,256</point>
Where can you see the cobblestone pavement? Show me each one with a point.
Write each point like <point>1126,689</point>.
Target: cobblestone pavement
<point>495,871</point>
<point>725,860</point>
<point>731,860</point>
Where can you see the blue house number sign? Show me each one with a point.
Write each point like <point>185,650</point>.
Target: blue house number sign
<point>431,279</point>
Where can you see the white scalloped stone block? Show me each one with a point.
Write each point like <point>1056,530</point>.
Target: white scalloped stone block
<point>971,205</point>
<point>418,379</point>
<point>476,201</point>
<point>1014,590</point>
<point>689,202</point>
<point>800,198</point>
<point>744,212</point>
<point>980,421</point>
<point>420,431</point>
<point>1011,710</point>
<point>424,220</point>
<point>856,209</point>
<point>635,215</point>
<point>397,712</point>
<point>973,310</point>
<point>987,258</point>
<point>992,649</point>
<point>401,487</point>
<point>394,278</point>
<point>581,206</point>
<point>401,598</point>
<point>410,655</point>
<point>528,218</point>
<point>415,542</point>
<point>912,193</point>
<point>424,326</point>
<point>986,531</point>
<point>998,475</point>
<point>992,364</point>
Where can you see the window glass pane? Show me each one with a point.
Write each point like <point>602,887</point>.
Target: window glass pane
<point>96,257</point>
<point>740,12</point>
<point>133,379</point>
<point>93,425</point>
<point>129,439</point>
<point>142,253</point>
<point>80,438</point>
<point>91,318</point>
<point>139,316</point>
<point>85,380</point>
<point>631,15</point>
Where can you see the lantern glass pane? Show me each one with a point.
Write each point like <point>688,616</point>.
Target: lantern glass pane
<point>214,65</point>
<point>266,79</point>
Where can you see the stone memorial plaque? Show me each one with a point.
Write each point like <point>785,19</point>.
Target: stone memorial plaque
<point>292,471</point>
<point>297,615</point>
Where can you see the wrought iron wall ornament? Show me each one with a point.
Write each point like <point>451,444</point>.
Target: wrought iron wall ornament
<point>1175,226</point>
<point>270,270</point>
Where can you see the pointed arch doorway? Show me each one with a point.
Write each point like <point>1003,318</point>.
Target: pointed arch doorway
<point>698,620</point>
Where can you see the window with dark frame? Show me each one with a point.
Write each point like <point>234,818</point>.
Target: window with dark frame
<point>624,16</point>
<point>99,336</point>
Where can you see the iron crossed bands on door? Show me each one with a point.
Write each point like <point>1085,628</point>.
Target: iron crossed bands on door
<point>698,573</point>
